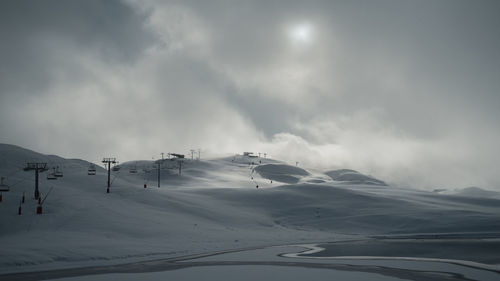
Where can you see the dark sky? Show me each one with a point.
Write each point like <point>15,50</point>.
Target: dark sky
<point>408,91</point>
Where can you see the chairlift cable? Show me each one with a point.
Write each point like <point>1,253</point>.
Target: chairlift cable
<point>18,182</point>
<point>52,187</point>
<point>115,176</point>
<point>20,169</point>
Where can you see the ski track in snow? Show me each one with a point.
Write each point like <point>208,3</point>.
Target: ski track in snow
<point>214,266</point>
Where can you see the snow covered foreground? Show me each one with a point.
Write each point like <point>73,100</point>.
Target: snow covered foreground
<point>213,205</point>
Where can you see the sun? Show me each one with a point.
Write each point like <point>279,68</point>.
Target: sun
<point>301,33</point>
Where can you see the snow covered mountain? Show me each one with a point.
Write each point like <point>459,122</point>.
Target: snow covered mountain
<point>211,205</point>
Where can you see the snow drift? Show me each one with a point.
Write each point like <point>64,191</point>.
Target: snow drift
<point>281,172</point>
<point>353,177</point>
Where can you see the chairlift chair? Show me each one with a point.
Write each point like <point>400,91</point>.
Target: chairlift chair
<point>51,176</point>
<point>57,173</point>
<point>3,187</point>
<point>133,170</point>
<point>91,171</point>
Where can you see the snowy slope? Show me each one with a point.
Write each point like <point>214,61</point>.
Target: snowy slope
<point>476,192</point>
<point>211,205</point>
<point>354,177</point>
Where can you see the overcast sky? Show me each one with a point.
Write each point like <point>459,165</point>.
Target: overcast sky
<point>408,91</point>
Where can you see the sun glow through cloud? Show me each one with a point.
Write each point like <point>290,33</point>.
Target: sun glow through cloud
<point>301,33</point>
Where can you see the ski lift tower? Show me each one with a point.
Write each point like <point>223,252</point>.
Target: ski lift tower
<point>37,167</point>
<point>109,161</point>
<point>158,166</point>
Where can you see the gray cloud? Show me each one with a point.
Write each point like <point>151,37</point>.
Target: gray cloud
<point>40,37</point>
<point>405,90</point>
